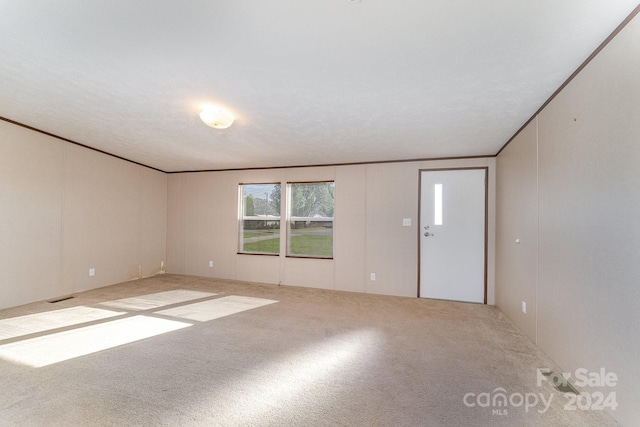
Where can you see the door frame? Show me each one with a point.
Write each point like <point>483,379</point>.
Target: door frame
<point>486,217</point>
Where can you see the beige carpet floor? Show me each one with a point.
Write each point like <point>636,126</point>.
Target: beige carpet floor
<point>245,354</point>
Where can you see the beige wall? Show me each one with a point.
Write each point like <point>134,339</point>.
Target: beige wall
<point>586,216</point>
<point>66,209</point>
<point>517,220</point>
<point>371,201</point>
<point>31,183</point>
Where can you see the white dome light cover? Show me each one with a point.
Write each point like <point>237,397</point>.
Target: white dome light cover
<point>216,117</point>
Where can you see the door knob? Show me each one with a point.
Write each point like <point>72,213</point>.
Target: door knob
<point>427,234</point>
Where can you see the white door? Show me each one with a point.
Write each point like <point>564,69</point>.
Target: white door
<point>452,234</point>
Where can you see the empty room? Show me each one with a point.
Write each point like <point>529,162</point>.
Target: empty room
<point>319,213</point>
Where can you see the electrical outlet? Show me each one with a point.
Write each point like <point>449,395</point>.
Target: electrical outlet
<point>373,277</point>
<point>524,307</point>
<point>211,264</point>
<point>92,272</point>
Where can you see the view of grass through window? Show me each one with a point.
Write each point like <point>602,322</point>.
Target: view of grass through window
<point>260,218</point>
<point>310,225</point>
<point>310,212</point>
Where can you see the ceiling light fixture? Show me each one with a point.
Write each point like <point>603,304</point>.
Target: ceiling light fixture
<point>216,117</point>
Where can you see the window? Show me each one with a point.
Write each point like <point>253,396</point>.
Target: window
<point>437,204</point>
<point>259,217</point>
<point>310,219</point>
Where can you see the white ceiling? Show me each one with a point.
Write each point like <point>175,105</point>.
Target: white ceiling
<point>310,81</point>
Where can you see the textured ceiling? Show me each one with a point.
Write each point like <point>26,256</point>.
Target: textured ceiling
<point>311,82</point>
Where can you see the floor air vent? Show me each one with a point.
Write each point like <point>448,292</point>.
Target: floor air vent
<point>59,300</point>
<point>560,383</point>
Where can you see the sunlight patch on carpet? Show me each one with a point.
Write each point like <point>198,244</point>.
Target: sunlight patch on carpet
<point>216,308</point>
<point>160,299</point>
<point>61,346</point>
<point>292,381</point>
<point>40,322</point>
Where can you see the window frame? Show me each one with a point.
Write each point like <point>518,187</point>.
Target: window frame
<point>242,218</point>
<point>289,218</point>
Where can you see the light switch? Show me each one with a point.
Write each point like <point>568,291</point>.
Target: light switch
<point>406,222</point>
